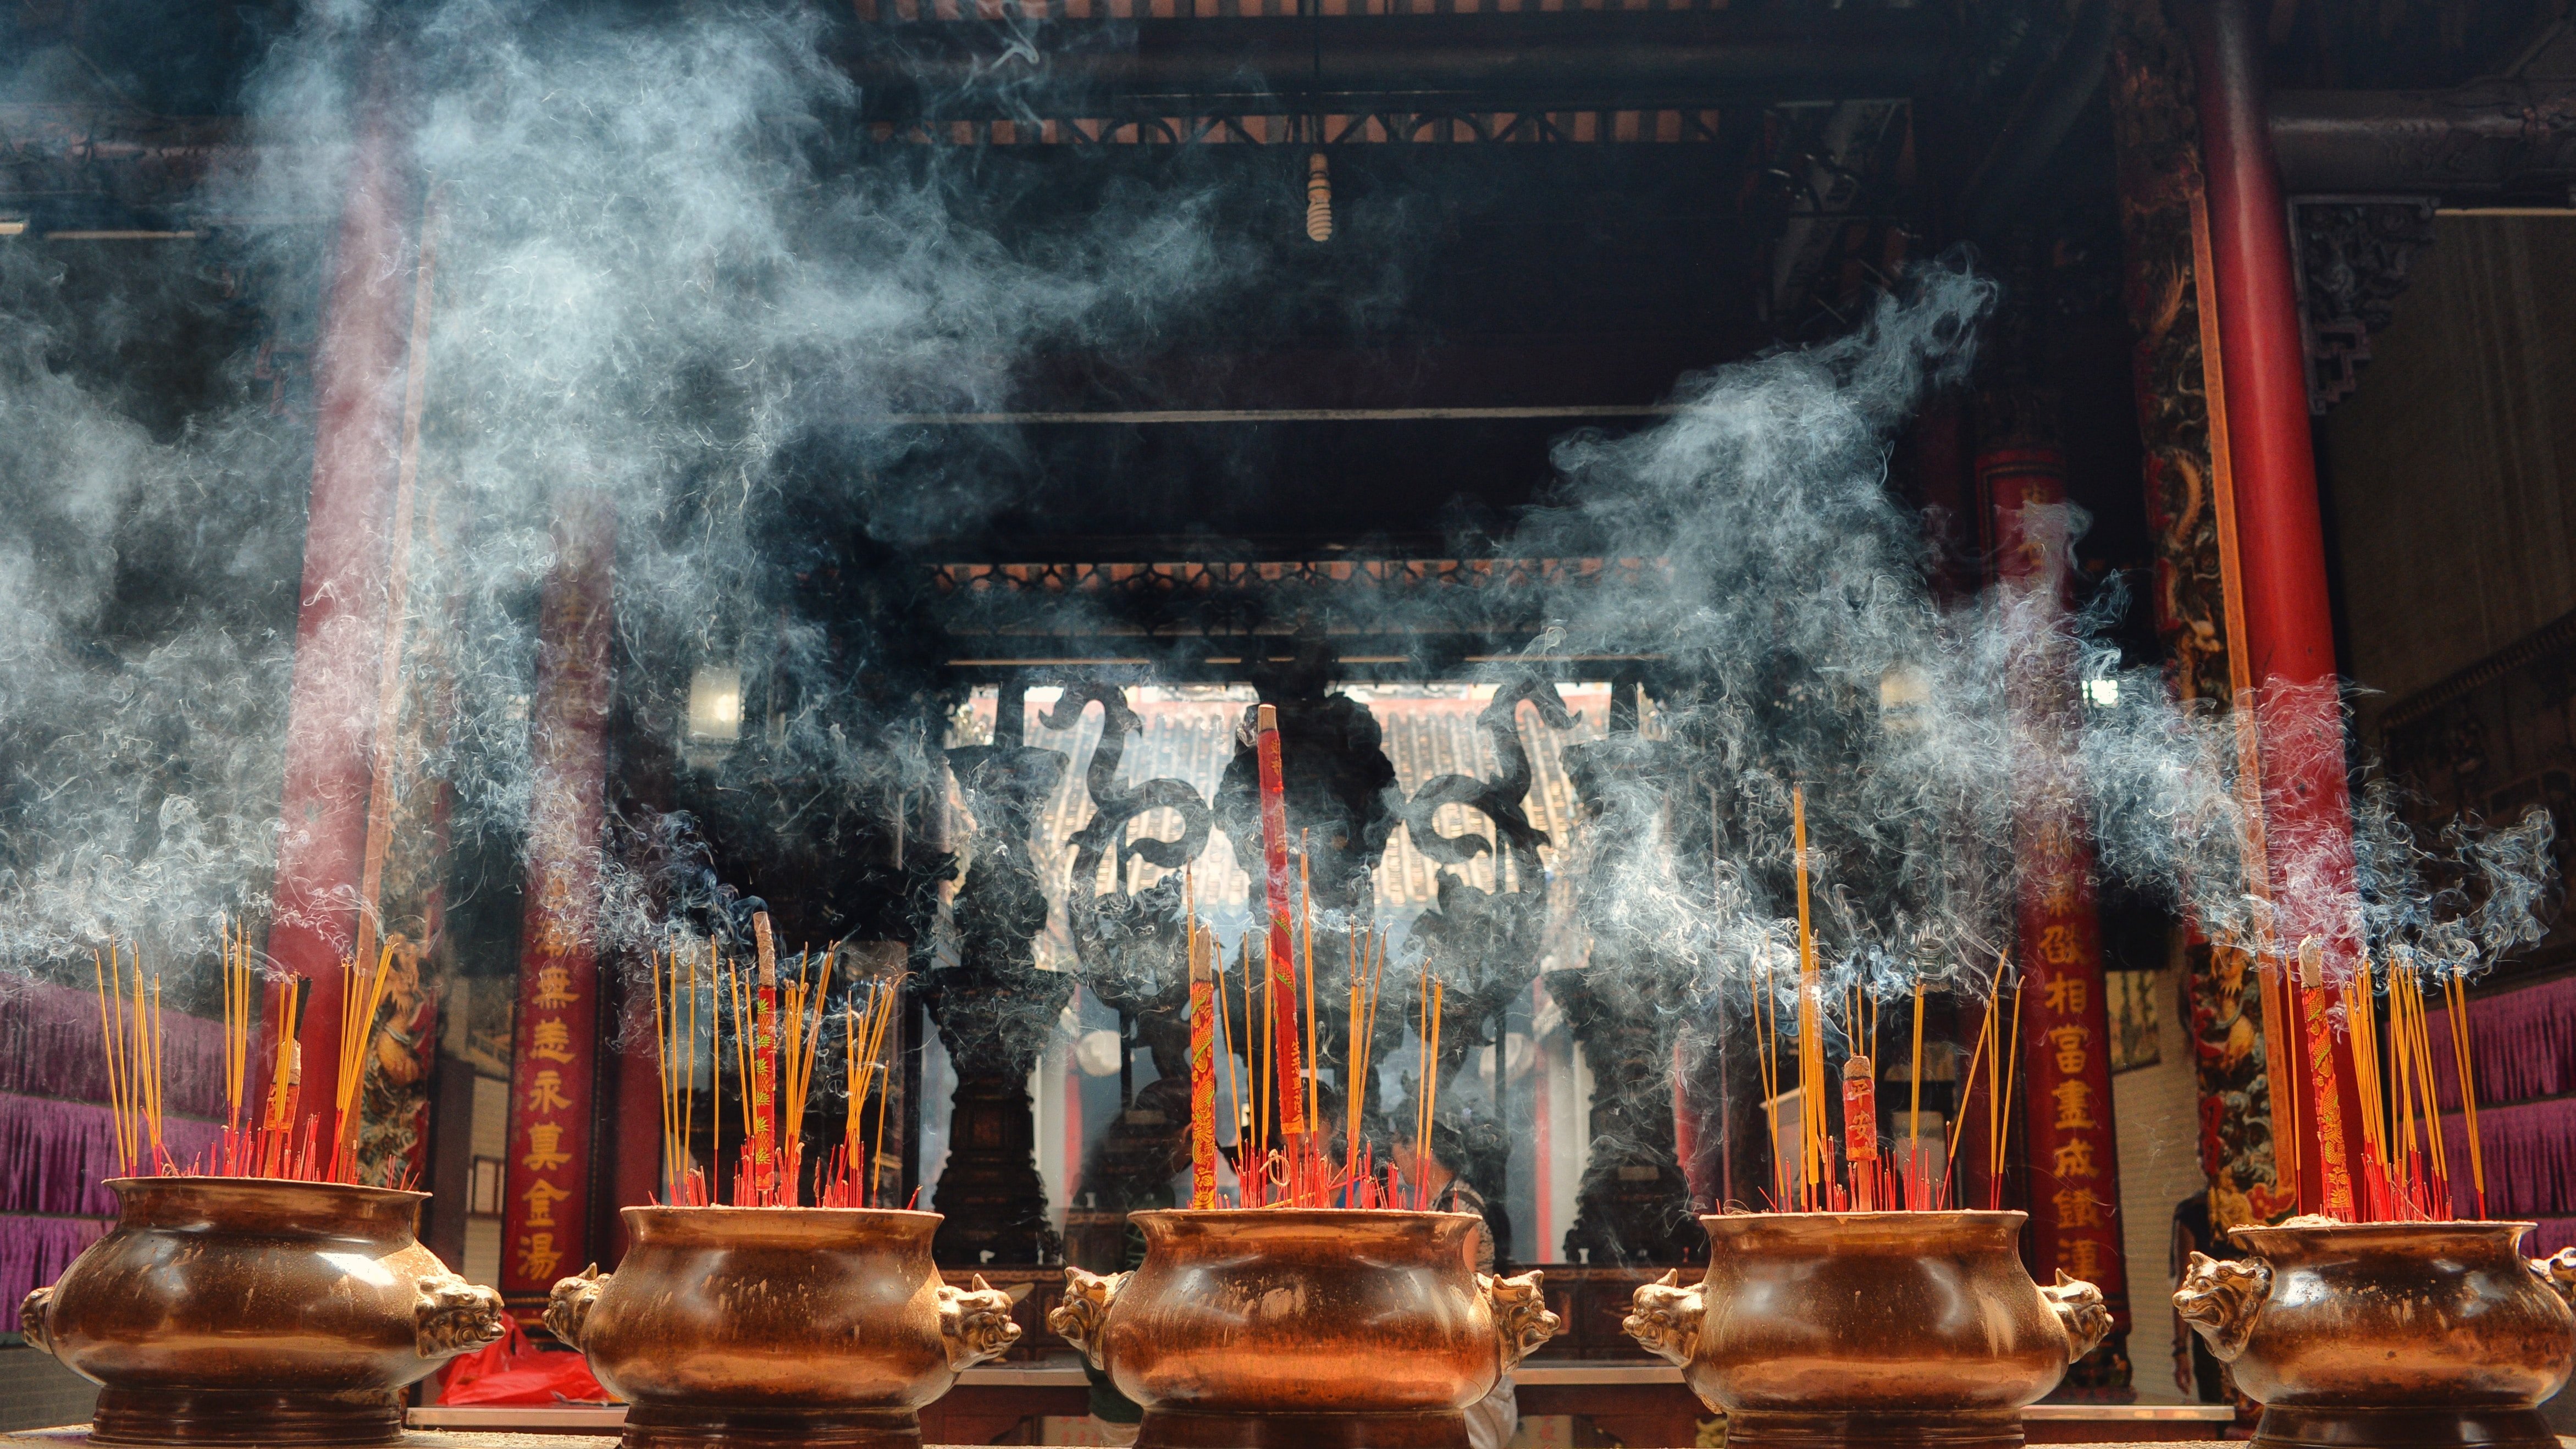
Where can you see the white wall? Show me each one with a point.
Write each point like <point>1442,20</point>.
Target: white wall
<point>2156,1115</point>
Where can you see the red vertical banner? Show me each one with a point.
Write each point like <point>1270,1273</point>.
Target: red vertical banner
<point>2066,1035</point>
<point>554,1070</point>
<point>2072,1154</point>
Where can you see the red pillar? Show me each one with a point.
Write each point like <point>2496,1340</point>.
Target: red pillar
<point>635,1172</point>
<point>339,623</point>
<point>554,1070</point>
<point>2071,1152</point>
<point>2281,556</point>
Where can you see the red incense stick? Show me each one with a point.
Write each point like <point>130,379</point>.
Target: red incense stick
<point>1283,965</point>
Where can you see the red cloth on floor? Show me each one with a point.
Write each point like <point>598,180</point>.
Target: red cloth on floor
<point>515,1371</point>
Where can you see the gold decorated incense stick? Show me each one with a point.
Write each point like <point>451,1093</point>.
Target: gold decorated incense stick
<point>1314,1057</point>
<point>1815,1147</point>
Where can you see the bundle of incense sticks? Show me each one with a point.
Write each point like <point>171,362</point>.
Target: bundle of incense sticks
<point>132,1026</point>
<point>1853,1176</point>
<point>357,1034</point>
<point>778,1026</point>
<point>276,1146</point>
<point>2404,1180</point>
<point>1303,1171</point>
<point>845,1184</point>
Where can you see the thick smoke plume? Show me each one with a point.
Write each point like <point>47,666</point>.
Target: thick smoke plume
<point>660,289</point>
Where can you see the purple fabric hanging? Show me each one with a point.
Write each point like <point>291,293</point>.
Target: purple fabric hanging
<point>54,1155</point>
<point>2530,1159</point>
<point>2521,1043</point>
<point>35,1251</point>
<point>51,1046</point>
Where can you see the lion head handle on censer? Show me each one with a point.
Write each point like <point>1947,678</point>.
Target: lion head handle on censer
<point>975,1323</point>
<point>1521,1318</point>
<point>36,1319</point>
<point>451,1316</point>
<point>2558,1270</point>
<point>2080,1311</point>
<point>568,1306</point>
<point>1078,1319</point>
<point>2219,1299</point>
<point>1664,1316</point>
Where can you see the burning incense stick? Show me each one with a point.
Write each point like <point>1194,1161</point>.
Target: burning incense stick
<point>2457,992</point>
<point>885,1091</point>
<point>1967,1092</point>
<point>1766,1056</point>
<point>1282,968</point>
<point>1914,1076</point>
<point>2326,1107</point>
<point>763,1089</point>
<point>1815,1151</point>
<point>357,1028</point>
<point>1314,1052</point>
<point>2007,1060</point>
<point>1202,1056</point>
<point>2279,1056</point>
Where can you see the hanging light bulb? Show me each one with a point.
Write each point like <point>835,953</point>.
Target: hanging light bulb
<point>1319,200</point>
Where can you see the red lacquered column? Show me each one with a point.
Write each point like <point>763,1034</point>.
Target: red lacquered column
<point>2281,557</point>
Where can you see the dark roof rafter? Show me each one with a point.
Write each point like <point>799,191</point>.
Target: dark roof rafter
<point>1528,60</point>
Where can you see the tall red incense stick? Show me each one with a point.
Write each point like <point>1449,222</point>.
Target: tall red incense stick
<point>2326,1101</point>
<point>1283,962</point>
<point>764,1061</point>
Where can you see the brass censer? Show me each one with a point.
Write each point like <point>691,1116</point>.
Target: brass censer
<point>238,1311</point>
<point>1318,1328</point>
<point>1883,1328</point>
<point>2389,1334</point>
<point>821,1327</point>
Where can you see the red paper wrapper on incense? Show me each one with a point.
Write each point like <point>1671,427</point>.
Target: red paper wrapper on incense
<point>1860,1109</point>
<point>1202,1074</point>
<point>764,1061</point>
<point>1860,1133</point>
<point>2326,1099</point>
<point>1283,963</point>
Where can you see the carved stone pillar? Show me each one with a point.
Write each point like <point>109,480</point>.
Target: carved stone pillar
<point>1484,945</point>
<point>1633,1204</point>
<point>1131,946</point>
<point>994,1009</point>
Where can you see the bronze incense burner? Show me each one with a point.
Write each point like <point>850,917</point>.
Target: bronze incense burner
<point>775,1325</point>
<point>1883,1328</point>
<point>1320,1328</point>
<point>2371,1334</point>
<point>232,1311</point>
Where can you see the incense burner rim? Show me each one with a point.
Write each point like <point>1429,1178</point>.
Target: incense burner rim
<point>1925,1214</point>
<point>202,1180</point>
<point>272,1207</point>
<point>2256,1236</point>
<point>1299,1215</point>
<point>680,1223</point>
<point>1399,1230</point>
<point>1830,1229</point>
